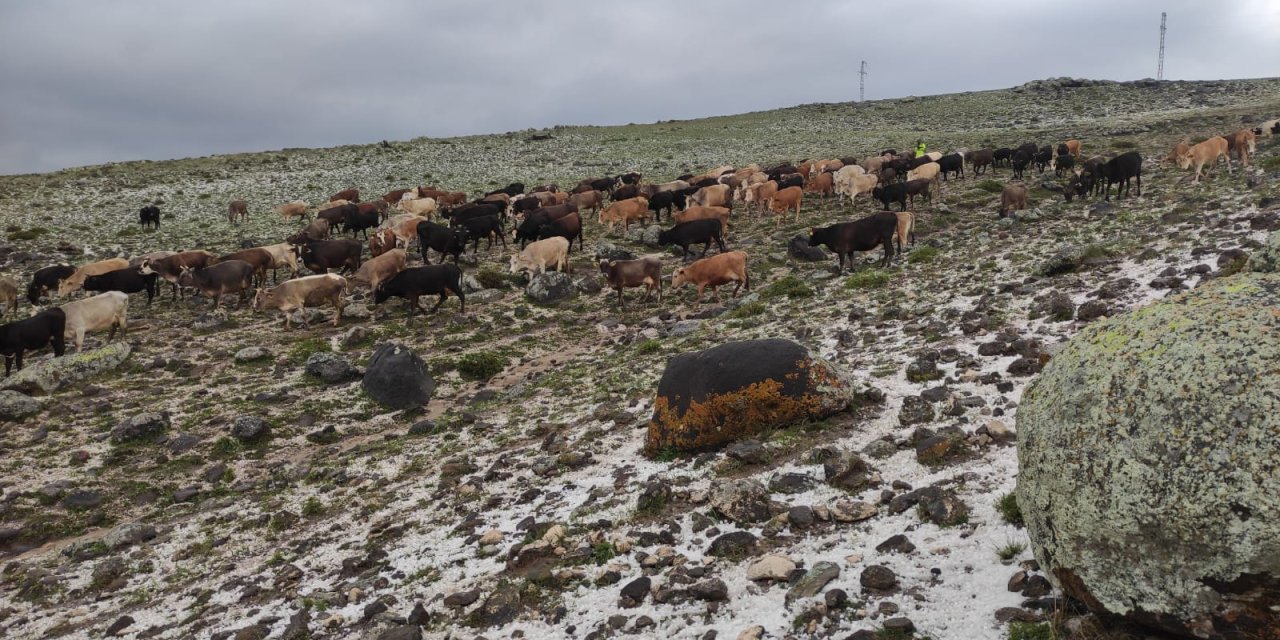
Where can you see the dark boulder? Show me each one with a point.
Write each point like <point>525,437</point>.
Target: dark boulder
<point>397,377</point>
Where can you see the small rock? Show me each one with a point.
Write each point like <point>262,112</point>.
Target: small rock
<point>878,578</point>
<point>732,545</point>
<point>15,406</point>
<point>249,428</point>
<point>714,590</point>
<point>330,367</point>
<point>771,567</point>
<point>634,593</point>
<point>915,410</point>
<point>814,580</point>
<point>461,599</point>
<point>143,425</point>
<point>741,501</point>
<point>251,354</point>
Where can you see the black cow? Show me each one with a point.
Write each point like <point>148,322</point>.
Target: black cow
<point>896,192</point>
<point>693,232</point>
<point>845,238</point>
<point>130,280</point>
<point>358,221</point>
<point>445,240</point>
<point>484,227</point>
<point>525,205</point>
<point>790,180</point>
<point>47,327</point>
<point>46,279</point>
<point>472,210</point>
<point>527,231</point>
<point>1042,158</point>
<point>953,163</point>
<point>666,200</point>
<point>414,282</point>
<point>632,178</point>
<point>625,192</point>
<point>916,163</point>
<point>149,216</point>
<point>322,255</point>
<point>337,215</point>
<point>918,187</point>
<point>705,182</point>
<point>1000,157</point>
<point>1019,162</point>
<point>567,227</point>
<point>1119,170</point>
<point>1063,163</point>
<point>514,189</point>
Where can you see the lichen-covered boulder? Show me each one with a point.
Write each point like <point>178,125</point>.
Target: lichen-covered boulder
<point>710,398</point>
<point>1266,259</point>
<point>1147,452</point>
<point>53,374</point>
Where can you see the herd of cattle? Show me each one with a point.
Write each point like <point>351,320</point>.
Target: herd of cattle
<point>546,221</point>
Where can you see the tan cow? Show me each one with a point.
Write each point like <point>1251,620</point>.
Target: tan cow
<point>785,200</point>
<point>1073,147</point>
<point>906,229</point>
<point>406,228</point>
<point>537,256</point>
<point>9,295</point>
<point>1012,198</point>
<point>300,293</point>
<point>282,255</point>
<point>419,207</point>
<point>928,171</point>
<point>76,280</point>
<point>716,195</point>
<point>625,211</point>
<point>713,272</point>
<point>237,208</point>
<point>373,271</point>
<point>295,209</point>
<point>1176,156</point>
<point>1206,152</point>
<point>110,309</point>
<point>873,164</point>
<point>823,184</point>
<point>698,212</point>
<point>761,193</point>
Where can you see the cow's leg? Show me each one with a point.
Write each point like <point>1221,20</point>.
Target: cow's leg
<point>444,295</point>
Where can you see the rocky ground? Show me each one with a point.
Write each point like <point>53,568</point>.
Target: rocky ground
<point>226,481</point>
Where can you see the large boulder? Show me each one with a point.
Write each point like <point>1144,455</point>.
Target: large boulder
<point>56,373</point>
<point>15,406</point>
<point>1266,259</point>
<point>397,377</point>
<point>551,286</point>
<point>710,398</point>
<point>1147,452</point>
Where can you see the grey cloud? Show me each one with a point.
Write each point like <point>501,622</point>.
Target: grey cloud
<point>89,82</point>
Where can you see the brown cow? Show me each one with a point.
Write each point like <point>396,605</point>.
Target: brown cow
<point>171,267</point>
<point>295,209</point>
<point>375,270</point>
<point>906,229</point>
<point>1243,142</point>
<point>1013,198</point>
<point>393,197</point>
<point>237,208</point>
<point>590,199</point>
<point>260,258</point>
<point>823,184</point>
<point>716,195</point>
<point>642,272</point>
<point>625,211</point>
<point>76,280</point>
<point>1073,147</point>
<point>1175,156</point>
<point>382,242</point>
<point>350,195</point>
<point>714,271</point>
<point>784,200</point>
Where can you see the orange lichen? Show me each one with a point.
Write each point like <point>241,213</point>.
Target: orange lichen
<point>726,417</point>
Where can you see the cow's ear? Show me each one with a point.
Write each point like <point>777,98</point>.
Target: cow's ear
<point>613,263</point>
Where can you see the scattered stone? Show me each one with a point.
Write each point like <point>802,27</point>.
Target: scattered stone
<point>791,483</point>
<point>550,286</point>
<point>814,580</point>
<point>1092,310</point>
<point>742,501</point>
<point>397,377</point>
<point>915,410</point>
<point>852,510</point>
<point>251,354</point>
<point>878,578</point>
<point>634,593</point>
<point>897,544</point>
<point>709,398</point>
<point>330,367</point>
<point>845,470</point>
<point>653,497</point>
<point>121,623</point>
<point>462,599</point>
<point>771,567</point>
<point>1266,259</point>
<point>798,248</point>
<point>714,590</point>
<point>140,426</point>
<point>733,545</point>
<point>747,451</point>
<point>15,406</point>
<point>127,534</point>
<point>249,429</point>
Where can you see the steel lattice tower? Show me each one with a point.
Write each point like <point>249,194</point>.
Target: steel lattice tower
<point>1160,68</point>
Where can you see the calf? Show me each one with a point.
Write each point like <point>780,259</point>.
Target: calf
<point>785,200</point>
<point>46,279</point>
<point>822,184</point>
<point>1073,147</point>
<point>980,160</point>
<point>922,188</point>
<point>568,227</point>
<point>693,232</point>
<point>1119,170</point>
<point>642,272</point>
<point>76,280</point>
<point>300,293</point>
<point>444,240</point>
<point>382,242</point>
<point>110,309</point>
<point>171,268</point>
<point>317,229</point>
<point>149,216</point>
<point>350,195</point>
<point>790,180</point>
<point>261,260</point>
<point>336,216</point>
<point>896,192</point>
<point>1012,198</point>
<point>393,197</point>
<point>8,295</point>
<point>46,327</point>
<point>294,209</point>
<point>1243,143</point>
<point>237,208</point>
<point>714,272</point>
<point>322,255</point>
<point>665,201</point>
<point>844,238</point>
<point>484,227</point>
<point>1207,152</point>
<point>1063,164</point>
<point>130,280</point>
<point>953,163</point>
<point>535,258</point>
<point>1000,157</point>
<point>217,280</point>
<point>625,192</point>
<point>432,279</point>
<point>377,269</point>
<point>625,211</point>
<point>591,199</point>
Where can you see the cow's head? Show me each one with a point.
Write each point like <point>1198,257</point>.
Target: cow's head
<point>677,278</point>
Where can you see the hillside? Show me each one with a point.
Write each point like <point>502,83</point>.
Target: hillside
<point>349,521</point>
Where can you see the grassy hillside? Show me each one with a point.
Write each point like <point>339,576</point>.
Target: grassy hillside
<point>347,515</point>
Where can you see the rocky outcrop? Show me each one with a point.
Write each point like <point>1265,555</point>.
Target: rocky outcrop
<point>57,373</point>
<point>710,398</point>
<point>1146,454</point>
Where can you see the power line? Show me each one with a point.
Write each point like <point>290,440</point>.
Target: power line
<point>1160,68</point>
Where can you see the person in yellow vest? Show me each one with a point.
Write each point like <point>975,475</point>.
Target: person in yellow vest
<point>919,148</point>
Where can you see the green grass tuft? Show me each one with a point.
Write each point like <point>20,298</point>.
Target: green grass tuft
<point>480,365</point>
<point>869,279</point>
<point>923,254</point>
<point>991,186</point>
<point>1032,631</point>
<point>789,286</point>
<point>1009,510</point>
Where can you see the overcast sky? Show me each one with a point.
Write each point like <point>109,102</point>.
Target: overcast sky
<point>85,82</point>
